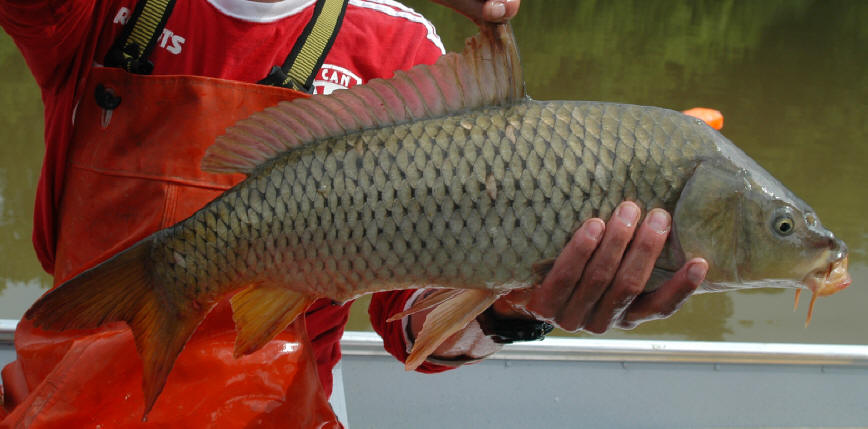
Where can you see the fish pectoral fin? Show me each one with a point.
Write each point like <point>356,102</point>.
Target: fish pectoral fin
<point>448,318</point>
<point>261,311</point>
<point>428,302</point>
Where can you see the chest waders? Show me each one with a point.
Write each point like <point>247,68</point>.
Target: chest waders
<point>134,169</point>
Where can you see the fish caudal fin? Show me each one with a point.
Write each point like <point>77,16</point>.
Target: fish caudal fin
<point>121,289</point>
<point>262,311</point>
<point>448,318</point>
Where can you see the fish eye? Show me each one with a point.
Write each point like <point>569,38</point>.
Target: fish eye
<point>784,225</point>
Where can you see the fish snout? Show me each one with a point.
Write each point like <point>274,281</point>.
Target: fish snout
<point>827,240</point>
<point>838,249</point>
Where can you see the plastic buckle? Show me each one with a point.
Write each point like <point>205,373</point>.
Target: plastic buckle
<point>277,77</point>
<point>127,58</point>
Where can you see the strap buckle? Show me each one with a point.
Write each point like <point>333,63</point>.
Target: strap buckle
<point>128,58</point>
<point>277,77</point>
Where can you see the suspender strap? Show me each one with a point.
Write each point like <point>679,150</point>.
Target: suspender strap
<point>139,36</point>
<point>310,49</point>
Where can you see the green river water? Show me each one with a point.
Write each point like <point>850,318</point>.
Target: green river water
<point>790,76</point>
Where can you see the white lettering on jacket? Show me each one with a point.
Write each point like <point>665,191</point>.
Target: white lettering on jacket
<point>168,40</point>
<point>331,77</point>
<point>177,41</point>
<point>123,16</point>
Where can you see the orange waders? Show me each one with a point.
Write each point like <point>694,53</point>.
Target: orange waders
<point>134,170</point>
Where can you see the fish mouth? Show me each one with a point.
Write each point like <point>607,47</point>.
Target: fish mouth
<point>833,279</point>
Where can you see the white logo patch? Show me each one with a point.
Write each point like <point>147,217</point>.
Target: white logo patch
<point>331,78</point>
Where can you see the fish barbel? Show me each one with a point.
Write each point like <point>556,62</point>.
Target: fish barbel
<point>444,175</point>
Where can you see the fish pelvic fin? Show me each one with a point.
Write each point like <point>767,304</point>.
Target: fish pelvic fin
<point>486,73</point>
<point>448,318</point>
<point>122,289</point>
<point>434,299</point>
<point>261,311</point>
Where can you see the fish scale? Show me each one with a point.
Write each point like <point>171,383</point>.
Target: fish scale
<point>484,213</point>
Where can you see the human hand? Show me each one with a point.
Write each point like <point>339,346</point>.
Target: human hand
<point>484,10</point>
<point>597,281</point>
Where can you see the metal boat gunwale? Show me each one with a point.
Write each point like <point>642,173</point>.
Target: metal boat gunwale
<point>586,349</point>
<point>356,343</point>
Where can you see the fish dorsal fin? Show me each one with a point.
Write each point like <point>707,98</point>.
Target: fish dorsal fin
<point>486,73</point>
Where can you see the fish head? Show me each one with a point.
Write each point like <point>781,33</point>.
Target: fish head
<point>785,240</point>
<point>754,232</point>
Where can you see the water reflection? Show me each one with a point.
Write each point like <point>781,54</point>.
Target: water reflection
<point>789,76</point>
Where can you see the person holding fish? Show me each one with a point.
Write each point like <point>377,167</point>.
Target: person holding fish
<point>123,150</point>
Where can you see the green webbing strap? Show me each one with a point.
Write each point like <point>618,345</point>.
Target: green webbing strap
<point>310,49</point>
<point>139,36</point>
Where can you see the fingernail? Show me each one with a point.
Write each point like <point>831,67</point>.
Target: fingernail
<point>594,229</point>
<point>628,213</point>
<point>696,272</point>
<point>497,10</point>
<point>658,220</point>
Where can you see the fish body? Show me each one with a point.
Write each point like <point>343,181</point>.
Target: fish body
<point>445,175</point>
<point>471,200</point>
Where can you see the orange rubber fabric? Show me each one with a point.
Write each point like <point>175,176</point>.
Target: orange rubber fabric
<point>134,170</point>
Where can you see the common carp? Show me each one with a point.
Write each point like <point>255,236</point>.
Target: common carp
<point>445,175</point>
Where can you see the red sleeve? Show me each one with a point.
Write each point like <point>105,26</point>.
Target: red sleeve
<point>50,34</point>
<point>325,325</point>
<point>385,304</point>
<point>427,53</point>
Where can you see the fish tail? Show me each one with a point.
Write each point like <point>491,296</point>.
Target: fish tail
<point>122,289</point>
<point>448,318</point>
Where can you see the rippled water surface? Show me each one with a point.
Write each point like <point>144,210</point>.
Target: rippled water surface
<point>790,77</point>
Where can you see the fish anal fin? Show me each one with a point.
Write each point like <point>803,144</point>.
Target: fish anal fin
<point>488,72</point>
<point>448,318</point>
<point>261,311</point>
